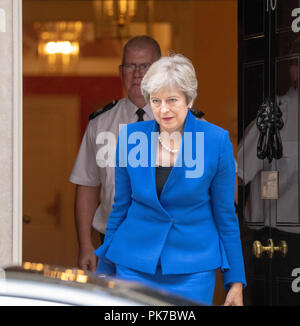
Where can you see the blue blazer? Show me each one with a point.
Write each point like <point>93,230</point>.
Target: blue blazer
<point>193,226</point>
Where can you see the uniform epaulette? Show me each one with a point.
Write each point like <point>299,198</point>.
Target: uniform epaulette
<point>102,110</point>
<point>197,114</point>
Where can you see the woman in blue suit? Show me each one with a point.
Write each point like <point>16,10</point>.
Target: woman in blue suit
<point>173,221</point>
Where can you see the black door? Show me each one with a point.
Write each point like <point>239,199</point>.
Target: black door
<point>269,52</point>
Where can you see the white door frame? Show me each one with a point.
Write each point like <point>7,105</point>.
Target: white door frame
<point>17,127</point>
<point>11,132</point>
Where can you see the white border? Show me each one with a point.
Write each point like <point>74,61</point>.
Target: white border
<point>17,130</point>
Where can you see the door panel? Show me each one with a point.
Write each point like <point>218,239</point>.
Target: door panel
<point>50,143</point>
<point>275,76</point>
<point>285,210</point>
<point>254,92</point>
<point>283,293</point>
<point>253,88</point>
<point>253,27</point>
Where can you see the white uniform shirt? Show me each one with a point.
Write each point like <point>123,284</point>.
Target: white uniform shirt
<point>86,171</point>
<point>285,209</point>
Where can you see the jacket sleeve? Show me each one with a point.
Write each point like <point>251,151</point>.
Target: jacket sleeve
<point>222,194</point>
<point>122,201</point>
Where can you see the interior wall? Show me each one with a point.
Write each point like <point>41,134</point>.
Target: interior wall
<point>94,91</point>
<point>209,38</point>
<point>203,30</point>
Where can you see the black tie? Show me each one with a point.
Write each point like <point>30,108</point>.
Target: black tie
<point>140,113</point>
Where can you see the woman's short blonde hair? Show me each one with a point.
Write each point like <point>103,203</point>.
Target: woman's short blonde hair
<point>174,71</point>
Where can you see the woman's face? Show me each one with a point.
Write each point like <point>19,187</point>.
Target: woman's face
<point>169,108</point>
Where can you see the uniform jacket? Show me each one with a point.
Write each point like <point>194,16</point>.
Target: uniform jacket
<point>193,226</point>
<point>87,170</point>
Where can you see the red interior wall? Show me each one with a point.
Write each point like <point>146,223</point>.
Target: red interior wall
<point>94,92</point>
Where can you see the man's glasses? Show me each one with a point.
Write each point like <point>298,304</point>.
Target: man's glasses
<point>132,66</point>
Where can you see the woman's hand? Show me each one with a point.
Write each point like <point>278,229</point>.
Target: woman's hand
<point>235,295</point>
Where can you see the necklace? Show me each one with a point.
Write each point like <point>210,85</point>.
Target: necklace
<point>166,147</point>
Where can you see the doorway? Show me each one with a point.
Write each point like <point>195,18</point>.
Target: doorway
<point>94,76</point>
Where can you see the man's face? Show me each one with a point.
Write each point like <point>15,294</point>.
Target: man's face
<point>135,65</point>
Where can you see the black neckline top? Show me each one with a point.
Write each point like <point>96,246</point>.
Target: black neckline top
<point>161,176</point>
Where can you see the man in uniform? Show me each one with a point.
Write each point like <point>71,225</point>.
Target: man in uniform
<point>94,182</point>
